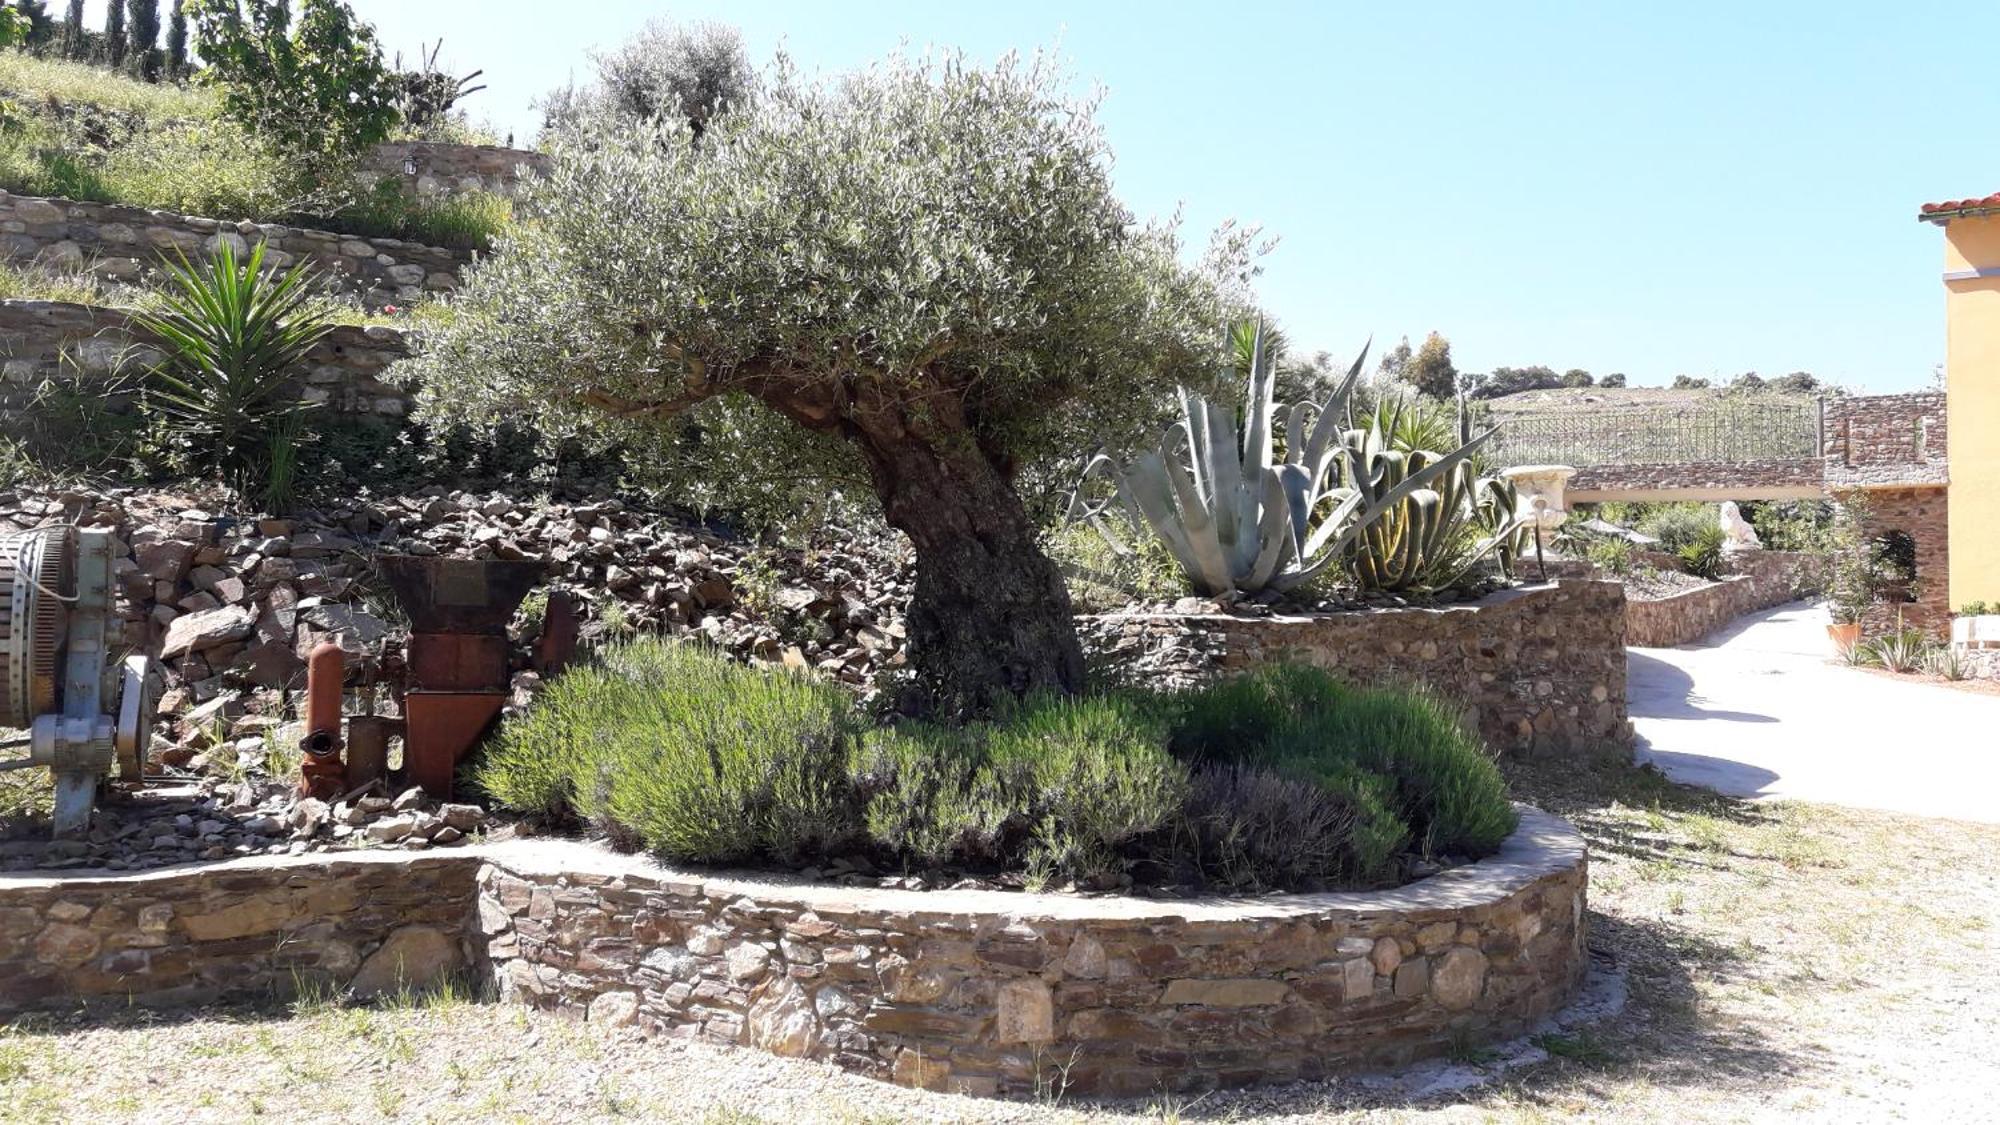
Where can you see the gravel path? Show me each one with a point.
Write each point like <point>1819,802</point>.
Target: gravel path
<point>1765,711</point>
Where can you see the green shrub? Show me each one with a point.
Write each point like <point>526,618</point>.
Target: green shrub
<point>931,799</point>
<point>1610,554</point>
<point>1098,775</point>
<point>1674,525</point>
<point>1702,556</point>
<point>1301,721</point>
<point>1238,718</point>
<point>315,82</point>
<point>1249,828</point>
<point>1280,779</point>
<point>1059,786</point>
<point>681,751</point>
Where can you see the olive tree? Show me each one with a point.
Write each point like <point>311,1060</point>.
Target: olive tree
<point>690,71</point>
<point>923,263</point>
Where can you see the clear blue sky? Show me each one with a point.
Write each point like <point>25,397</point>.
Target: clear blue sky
<point>1651,189</point>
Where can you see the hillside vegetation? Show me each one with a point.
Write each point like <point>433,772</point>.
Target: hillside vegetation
<point>77,131</point>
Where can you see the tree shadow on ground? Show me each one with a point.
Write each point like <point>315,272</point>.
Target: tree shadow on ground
<point>1592,789</point>
<point>1659,690</point>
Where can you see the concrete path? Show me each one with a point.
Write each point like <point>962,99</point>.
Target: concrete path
<point>1765,710</point>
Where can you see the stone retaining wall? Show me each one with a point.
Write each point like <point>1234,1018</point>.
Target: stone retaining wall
<point>119,242</point>
<point>1760,580</point>
<point>344,370</point>
<point>250,929</point>
<point>1536,668</point>
<point>426,169</point>
<point>1770,479</point>
<point>982,992</point>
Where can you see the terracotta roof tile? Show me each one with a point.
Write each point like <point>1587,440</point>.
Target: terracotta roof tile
<point>1954,208</point>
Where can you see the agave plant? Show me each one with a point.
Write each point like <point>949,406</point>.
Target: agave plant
<point>1238,520</point>
<point>235,337</point>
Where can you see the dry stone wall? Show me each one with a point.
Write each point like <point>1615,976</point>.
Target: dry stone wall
<point>1741,479</point>
<point>120,242</point>
<point>42,339</point>
<point>1923,514</point>
<point>985,992</point>
<point>981,992</point>
<point>1758,580</point>
<point>1875,440</point>
<point>245,930</point>
<point>428,170</point>
<point>1535,668</point>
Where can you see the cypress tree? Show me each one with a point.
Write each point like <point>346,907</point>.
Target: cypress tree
<point>143,35</point>
<point>177,43</point>
<point>114,33</point>
<point>73,37</point>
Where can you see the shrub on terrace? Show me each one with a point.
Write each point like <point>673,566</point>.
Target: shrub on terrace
<point>317,88</point>
<point>1283,778</point>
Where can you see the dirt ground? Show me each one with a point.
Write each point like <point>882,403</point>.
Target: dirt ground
<point>1781,961</point>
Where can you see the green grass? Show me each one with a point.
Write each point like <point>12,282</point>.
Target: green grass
<point>30,80</point>
<point>470,221</point>
<point>26,796</point>
<point>78,132</point>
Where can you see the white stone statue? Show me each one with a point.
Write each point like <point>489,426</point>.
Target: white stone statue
<point>1737,533</point>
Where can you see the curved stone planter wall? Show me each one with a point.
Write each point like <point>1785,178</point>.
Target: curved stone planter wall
<point>987,991</point>
<point>1537,668</point>
<point>117,241</point>
<point>976,991</point>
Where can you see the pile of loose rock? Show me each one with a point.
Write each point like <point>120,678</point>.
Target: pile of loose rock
<point>215,819</point>
<point>232,603</point>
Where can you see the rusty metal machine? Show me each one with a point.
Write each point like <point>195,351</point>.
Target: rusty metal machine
<point>456,672</point>
<point>84,710</point>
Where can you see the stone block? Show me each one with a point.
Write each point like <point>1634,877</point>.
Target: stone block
<point>1239,993</point>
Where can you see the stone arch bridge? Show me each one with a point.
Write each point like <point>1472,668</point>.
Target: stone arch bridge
<point>1889,449</point>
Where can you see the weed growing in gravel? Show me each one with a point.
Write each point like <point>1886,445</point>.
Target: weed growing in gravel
<point>1581,1046</point>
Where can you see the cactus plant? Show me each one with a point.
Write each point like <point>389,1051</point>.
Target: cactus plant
<point>1238,520</point>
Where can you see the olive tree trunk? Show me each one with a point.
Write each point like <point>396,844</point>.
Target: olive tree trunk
<point>990,619</point>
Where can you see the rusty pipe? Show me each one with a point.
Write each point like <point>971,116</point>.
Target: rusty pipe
<point>321,772</point>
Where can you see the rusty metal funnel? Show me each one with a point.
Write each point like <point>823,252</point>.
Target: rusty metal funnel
<point>443,595</point>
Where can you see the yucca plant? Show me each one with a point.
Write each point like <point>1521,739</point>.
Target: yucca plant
<point>1237,519</point>
<point>235,337</point>
<point>1903,649</point>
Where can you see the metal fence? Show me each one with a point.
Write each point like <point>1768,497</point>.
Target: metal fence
<point>1693,433</point>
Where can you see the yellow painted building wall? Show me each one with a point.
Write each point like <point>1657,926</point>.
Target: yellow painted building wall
<point>1972,383</point>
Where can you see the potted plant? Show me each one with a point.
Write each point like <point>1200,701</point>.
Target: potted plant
<point>1850,590</point>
